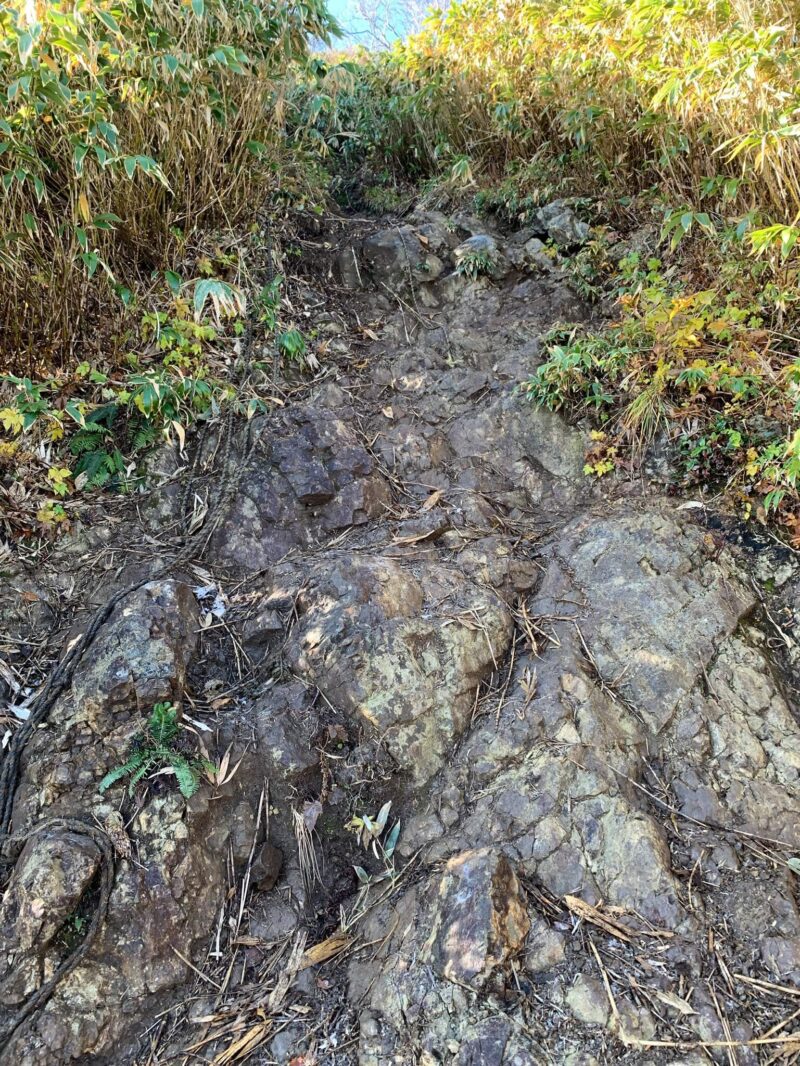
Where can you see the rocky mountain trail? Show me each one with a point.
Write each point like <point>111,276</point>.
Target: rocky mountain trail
<point>503,762</point>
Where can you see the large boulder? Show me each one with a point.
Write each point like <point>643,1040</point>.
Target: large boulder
<point>401,257</point>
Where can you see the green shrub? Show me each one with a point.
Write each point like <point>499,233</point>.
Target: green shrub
<point>126,125</point>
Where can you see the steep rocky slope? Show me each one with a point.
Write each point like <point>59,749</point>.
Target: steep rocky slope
<point>579,699</point>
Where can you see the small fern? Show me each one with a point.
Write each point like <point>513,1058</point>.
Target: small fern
<point>101,467</point>
<point>157,751</point>
<point>143,436</point>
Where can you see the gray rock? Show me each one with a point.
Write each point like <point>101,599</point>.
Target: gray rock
<point>348,269</point>
<point>536,254</point>
<point>545,948</point>
<point>394,257</point>
<point>483,250</point>
<point>366,640</point>
<point>312,477</point>
<point>435,232</point>
<point>562,224</point>
<point>588,1001</point>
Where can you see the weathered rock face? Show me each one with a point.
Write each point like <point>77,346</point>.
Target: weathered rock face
<point>567,697</point>
<point>646,655</point>
<point>367,640</point>
<point>165,896</point>
<point>734,746</point>
<point>309,478</point>
<point>695,675</point>
<point>658,602</point>
<point>51,875</point>
<point>139,658</point>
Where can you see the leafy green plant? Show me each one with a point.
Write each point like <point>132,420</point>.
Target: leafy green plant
<point>475,264</point>
<point>698,365</point>
<point>126,126</point>
<point>292,345</point>
<point>370,833</point>
<point>156,750</point>
<point>590,269</point>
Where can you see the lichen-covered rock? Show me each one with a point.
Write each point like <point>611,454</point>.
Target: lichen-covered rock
<point>162,906</point>
<point>140,656</point>
<point>51,875</point>
<point>167,893</point>
<point>368,640</point>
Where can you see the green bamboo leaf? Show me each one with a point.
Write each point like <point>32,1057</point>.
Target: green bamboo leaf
<point>25,46</point>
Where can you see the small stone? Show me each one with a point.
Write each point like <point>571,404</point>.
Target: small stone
<point>633,1021</point>
<point>266,868</point>
<point>263,627</point>
<point>588,1001</point>
<point>545,948</point>
<point>481,917</point>
<point>348,269</point>
<point>487,1045</point>
<point>368,1024</point>
<point>288,1043</point>
<point>276,920</point>
<point>579,1058</point>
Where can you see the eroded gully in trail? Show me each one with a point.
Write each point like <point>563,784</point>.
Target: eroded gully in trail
<point>570,693</point>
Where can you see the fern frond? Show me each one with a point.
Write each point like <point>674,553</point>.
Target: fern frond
<point>186,775</point>
<point>163,723</point>
<point>121,771</point>
<point>147,765</point>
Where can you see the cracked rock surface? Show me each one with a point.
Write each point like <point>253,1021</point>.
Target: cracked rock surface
<point>506,762</point>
